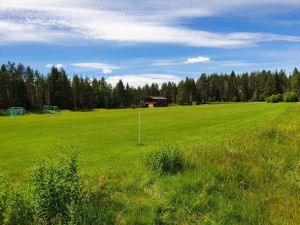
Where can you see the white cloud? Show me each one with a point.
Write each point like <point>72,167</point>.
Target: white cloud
<point>93,65</point>
<point>58,66</point>
<point>143,79</point>
<point>12,31</point>
<point>178,61</point>
<point>235,63</point>
<point>105,68</point>
<point>151,21</point>
<point>199,59</point>
<point>163,63</point>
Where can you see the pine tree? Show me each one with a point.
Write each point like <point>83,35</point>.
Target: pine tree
<point>119,95</point>
<point>295,81</point>
<point>154,90</point>
<point>87,94</point>
<point>270,84</point>
<point>59,87</point>
<point>96,93</point>
<point>76,91</point>
<point>4,88</point>
<point>181,95</point>
<point>105,94</point>
<point>40,90</point>
<point>202,89</point>
<point>245,93</point>
<point>18,86</point>
<point>30,88</point>
<point>233,88</point>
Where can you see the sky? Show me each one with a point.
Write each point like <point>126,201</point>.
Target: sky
<point>151,40</point>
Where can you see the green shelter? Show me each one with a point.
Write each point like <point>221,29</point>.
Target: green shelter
<point>15,111</point>
<point>50,109</point>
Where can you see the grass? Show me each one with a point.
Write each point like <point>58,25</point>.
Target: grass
<point>107,139</point>
<point>242,161</point>
<point>250,177</point>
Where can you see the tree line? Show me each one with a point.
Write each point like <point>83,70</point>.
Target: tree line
<point>24,87</point>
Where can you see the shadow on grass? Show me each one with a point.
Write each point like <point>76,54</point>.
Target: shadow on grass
<point>82,110</point>
<point>3,113</point>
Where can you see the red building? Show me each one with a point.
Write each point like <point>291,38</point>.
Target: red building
<point>152,101</point>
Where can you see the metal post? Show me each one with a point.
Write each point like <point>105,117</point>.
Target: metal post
<point>139,128</point>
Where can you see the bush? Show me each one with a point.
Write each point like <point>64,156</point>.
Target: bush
<point>3,198</point>
<point>57,190</point>
<point>290,97</point>
<point>166,160</point>
<point>19,208</point>
<point>274,98</point>
<point>55,196</point>
<point>15,205</point>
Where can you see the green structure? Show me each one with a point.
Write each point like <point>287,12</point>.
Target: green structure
<point>15,111</point>
<point>50,109</point>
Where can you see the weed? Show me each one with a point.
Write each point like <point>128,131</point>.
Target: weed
<point>166,160</point>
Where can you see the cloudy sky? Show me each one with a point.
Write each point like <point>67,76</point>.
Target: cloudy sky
<point>150,40</point>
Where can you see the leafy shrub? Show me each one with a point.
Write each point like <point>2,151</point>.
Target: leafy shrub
<point>290,97</point>
<point>19,208</point>
<point>166,160</point>
<point>274,98</point>
<point>3,198</point>
<point>57,189</point>
<point>15,205</point>
<point>55,196</point>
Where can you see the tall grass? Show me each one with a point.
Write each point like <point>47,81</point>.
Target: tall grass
<point>168,159</point>
<point>251,178</point>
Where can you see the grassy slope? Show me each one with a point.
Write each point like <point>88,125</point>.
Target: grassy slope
<point>107,139</point>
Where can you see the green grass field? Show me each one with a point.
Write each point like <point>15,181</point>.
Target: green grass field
<point>107,139</point>
<point>241,162</point>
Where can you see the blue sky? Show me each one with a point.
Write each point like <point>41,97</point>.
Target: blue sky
<point>151,41</point>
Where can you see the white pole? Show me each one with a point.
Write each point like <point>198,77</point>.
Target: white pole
<point>139,128</point>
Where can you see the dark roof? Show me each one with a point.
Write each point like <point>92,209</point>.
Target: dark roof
<point>157,98</point>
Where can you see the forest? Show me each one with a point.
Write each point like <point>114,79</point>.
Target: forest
<point>24,87</point>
